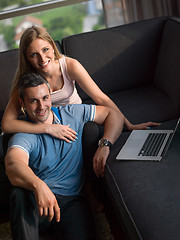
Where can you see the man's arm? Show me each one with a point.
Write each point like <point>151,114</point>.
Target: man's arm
<point>113,122</point>
<point>21,175</point>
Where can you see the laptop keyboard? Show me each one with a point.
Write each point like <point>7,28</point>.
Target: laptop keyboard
<point>152,144</point>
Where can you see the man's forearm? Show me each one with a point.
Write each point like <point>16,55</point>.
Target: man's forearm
<point>21,175</point>
<point>113,125</point>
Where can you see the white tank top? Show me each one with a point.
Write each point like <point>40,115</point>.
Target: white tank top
<point>68,93</point>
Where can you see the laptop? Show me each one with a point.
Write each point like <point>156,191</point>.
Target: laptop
<point>149,145</point>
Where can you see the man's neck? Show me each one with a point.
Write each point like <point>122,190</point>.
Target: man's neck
<point>50,118</point>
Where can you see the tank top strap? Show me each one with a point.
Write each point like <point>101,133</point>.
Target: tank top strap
<point>63,65</point>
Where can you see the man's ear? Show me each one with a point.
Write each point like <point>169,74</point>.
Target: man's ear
<point>21,102</point>
<point>22,106</point>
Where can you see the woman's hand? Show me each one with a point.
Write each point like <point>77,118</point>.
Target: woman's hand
<point>63,132</point>
<point>142,126</point>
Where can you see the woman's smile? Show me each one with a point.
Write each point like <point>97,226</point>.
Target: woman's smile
<point>43,65</point>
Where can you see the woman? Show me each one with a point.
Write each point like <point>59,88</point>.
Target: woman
<point>38,53</point>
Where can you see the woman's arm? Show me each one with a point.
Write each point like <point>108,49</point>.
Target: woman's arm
<point>78,73</point>
<point>11,124</point>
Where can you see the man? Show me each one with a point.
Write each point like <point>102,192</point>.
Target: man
<point>47,172</point>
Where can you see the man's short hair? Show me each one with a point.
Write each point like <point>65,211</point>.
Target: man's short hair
<point>30,80</point>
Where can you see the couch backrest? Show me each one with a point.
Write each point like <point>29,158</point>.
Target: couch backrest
<point>8,66</point>
<point>125,54</point>
<point>168,66</point>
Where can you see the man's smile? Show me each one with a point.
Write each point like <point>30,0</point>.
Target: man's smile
<point>41,112</point>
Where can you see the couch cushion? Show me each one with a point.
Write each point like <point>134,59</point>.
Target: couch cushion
<point>146,194</point>
<point>168,73</point>
<point>125,54</point>
<point>142,104</point>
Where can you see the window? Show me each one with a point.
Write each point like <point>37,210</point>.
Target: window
<point>59,22</point>
<point>119,12</point>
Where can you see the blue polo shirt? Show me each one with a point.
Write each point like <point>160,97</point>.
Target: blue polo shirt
<point>58,163</point>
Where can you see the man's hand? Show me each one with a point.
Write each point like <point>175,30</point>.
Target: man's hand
<point>47,202</point>
<point>99,160</point>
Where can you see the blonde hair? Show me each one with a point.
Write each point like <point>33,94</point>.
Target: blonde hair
<point>27,37</point>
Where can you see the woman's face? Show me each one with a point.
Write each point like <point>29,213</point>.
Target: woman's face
<point>40,55</point>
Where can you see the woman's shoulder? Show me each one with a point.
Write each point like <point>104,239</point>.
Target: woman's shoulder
<point>73,65</point>
<point>71,61</point>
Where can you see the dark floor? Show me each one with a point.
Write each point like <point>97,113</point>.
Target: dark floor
<point>4,218</point>
<point>116,228</point>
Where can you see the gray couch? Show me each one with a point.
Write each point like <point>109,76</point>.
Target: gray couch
<point>137,65</point>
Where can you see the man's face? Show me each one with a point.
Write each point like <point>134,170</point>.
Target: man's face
<point>37,103</point>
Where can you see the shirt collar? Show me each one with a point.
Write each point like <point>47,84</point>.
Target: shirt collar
<point>56,113</point>
<point>56,116</point>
